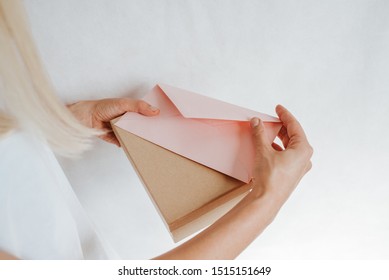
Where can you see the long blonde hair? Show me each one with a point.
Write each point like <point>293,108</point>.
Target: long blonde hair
<point>25,89</point>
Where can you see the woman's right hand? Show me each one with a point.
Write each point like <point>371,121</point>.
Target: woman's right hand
<point>278,171</point>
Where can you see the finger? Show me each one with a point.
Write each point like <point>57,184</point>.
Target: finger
<point>108,109</point>
<point>110,138</point>
<point>146,109</point>
<point>277,147</point>
<point>139,106</point>
<point>283,135</point>
<point>308,167</point>
<point>293,128</point>
<point>259,133</point>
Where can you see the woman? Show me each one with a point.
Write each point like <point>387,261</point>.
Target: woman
<point>40,216</point>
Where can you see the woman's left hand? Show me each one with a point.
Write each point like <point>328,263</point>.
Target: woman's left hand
<point>98,113</point>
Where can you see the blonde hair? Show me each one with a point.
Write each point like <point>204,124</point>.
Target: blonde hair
<point>28,96</point>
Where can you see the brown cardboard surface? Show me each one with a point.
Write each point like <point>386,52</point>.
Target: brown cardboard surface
<point>188,195</point>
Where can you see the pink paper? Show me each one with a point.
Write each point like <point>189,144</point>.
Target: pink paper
<point>211,132</point>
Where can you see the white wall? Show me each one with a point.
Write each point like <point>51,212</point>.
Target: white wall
<point>327,61</point>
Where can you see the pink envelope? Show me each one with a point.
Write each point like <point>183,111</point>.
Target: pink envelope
<point>208,131</point>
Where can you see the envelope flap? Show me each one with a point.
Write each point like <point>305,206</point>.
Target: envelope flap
<point>193,105</point>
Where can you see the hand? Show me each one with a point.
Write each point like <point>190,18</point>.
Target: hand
<point>278,171</point>
<point>98,113</point>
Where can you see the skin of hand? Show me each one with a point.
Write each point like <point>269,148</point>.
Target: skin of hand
<point>97,114</point>
<point>277,173</point>
<point>278,170</point>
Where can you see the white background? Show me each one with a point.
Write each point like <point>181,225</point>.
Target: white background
<point>327,61</point>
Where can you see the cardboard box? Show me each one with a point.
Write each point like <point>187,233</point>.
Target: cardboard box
<point>187,195</point>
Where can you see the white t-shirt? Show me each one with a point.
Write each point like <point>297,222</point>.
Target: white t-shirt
<point>40,215</point>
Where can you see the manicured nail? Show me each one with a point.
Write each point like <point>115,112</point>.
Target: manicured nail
<point>254,122</point>
<point>154,109</point>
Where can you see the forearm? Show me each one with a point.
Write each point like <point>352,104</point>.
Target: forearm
<point>232,233</point>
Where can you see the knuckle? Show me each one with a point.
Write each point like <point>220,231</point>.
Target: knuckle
<point>309,166</point>
<point>255,131</point>
<point>123,104</point>
<point>259,129</point>
<point>258,133</point>
<point>310,150</point>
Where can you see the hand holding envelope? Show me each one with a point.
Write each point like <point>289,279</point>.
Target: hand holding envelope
<point>208,131</point>
<point>195,158</point>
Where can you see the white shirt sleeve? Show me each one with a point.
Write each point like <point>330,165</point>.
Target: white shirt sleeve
<point>40,215</point>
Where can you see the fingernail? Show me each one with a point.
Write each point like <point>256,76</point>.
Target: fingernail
<point>154,109</point>
<point>254,122</point>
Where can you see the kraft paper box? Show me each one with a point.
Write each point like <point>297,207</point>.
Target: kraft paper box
<point>195,158</point>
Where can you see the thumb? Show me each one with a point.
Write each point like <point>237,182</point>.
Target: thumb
<point>259,133</point>
<point>146,109</point>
